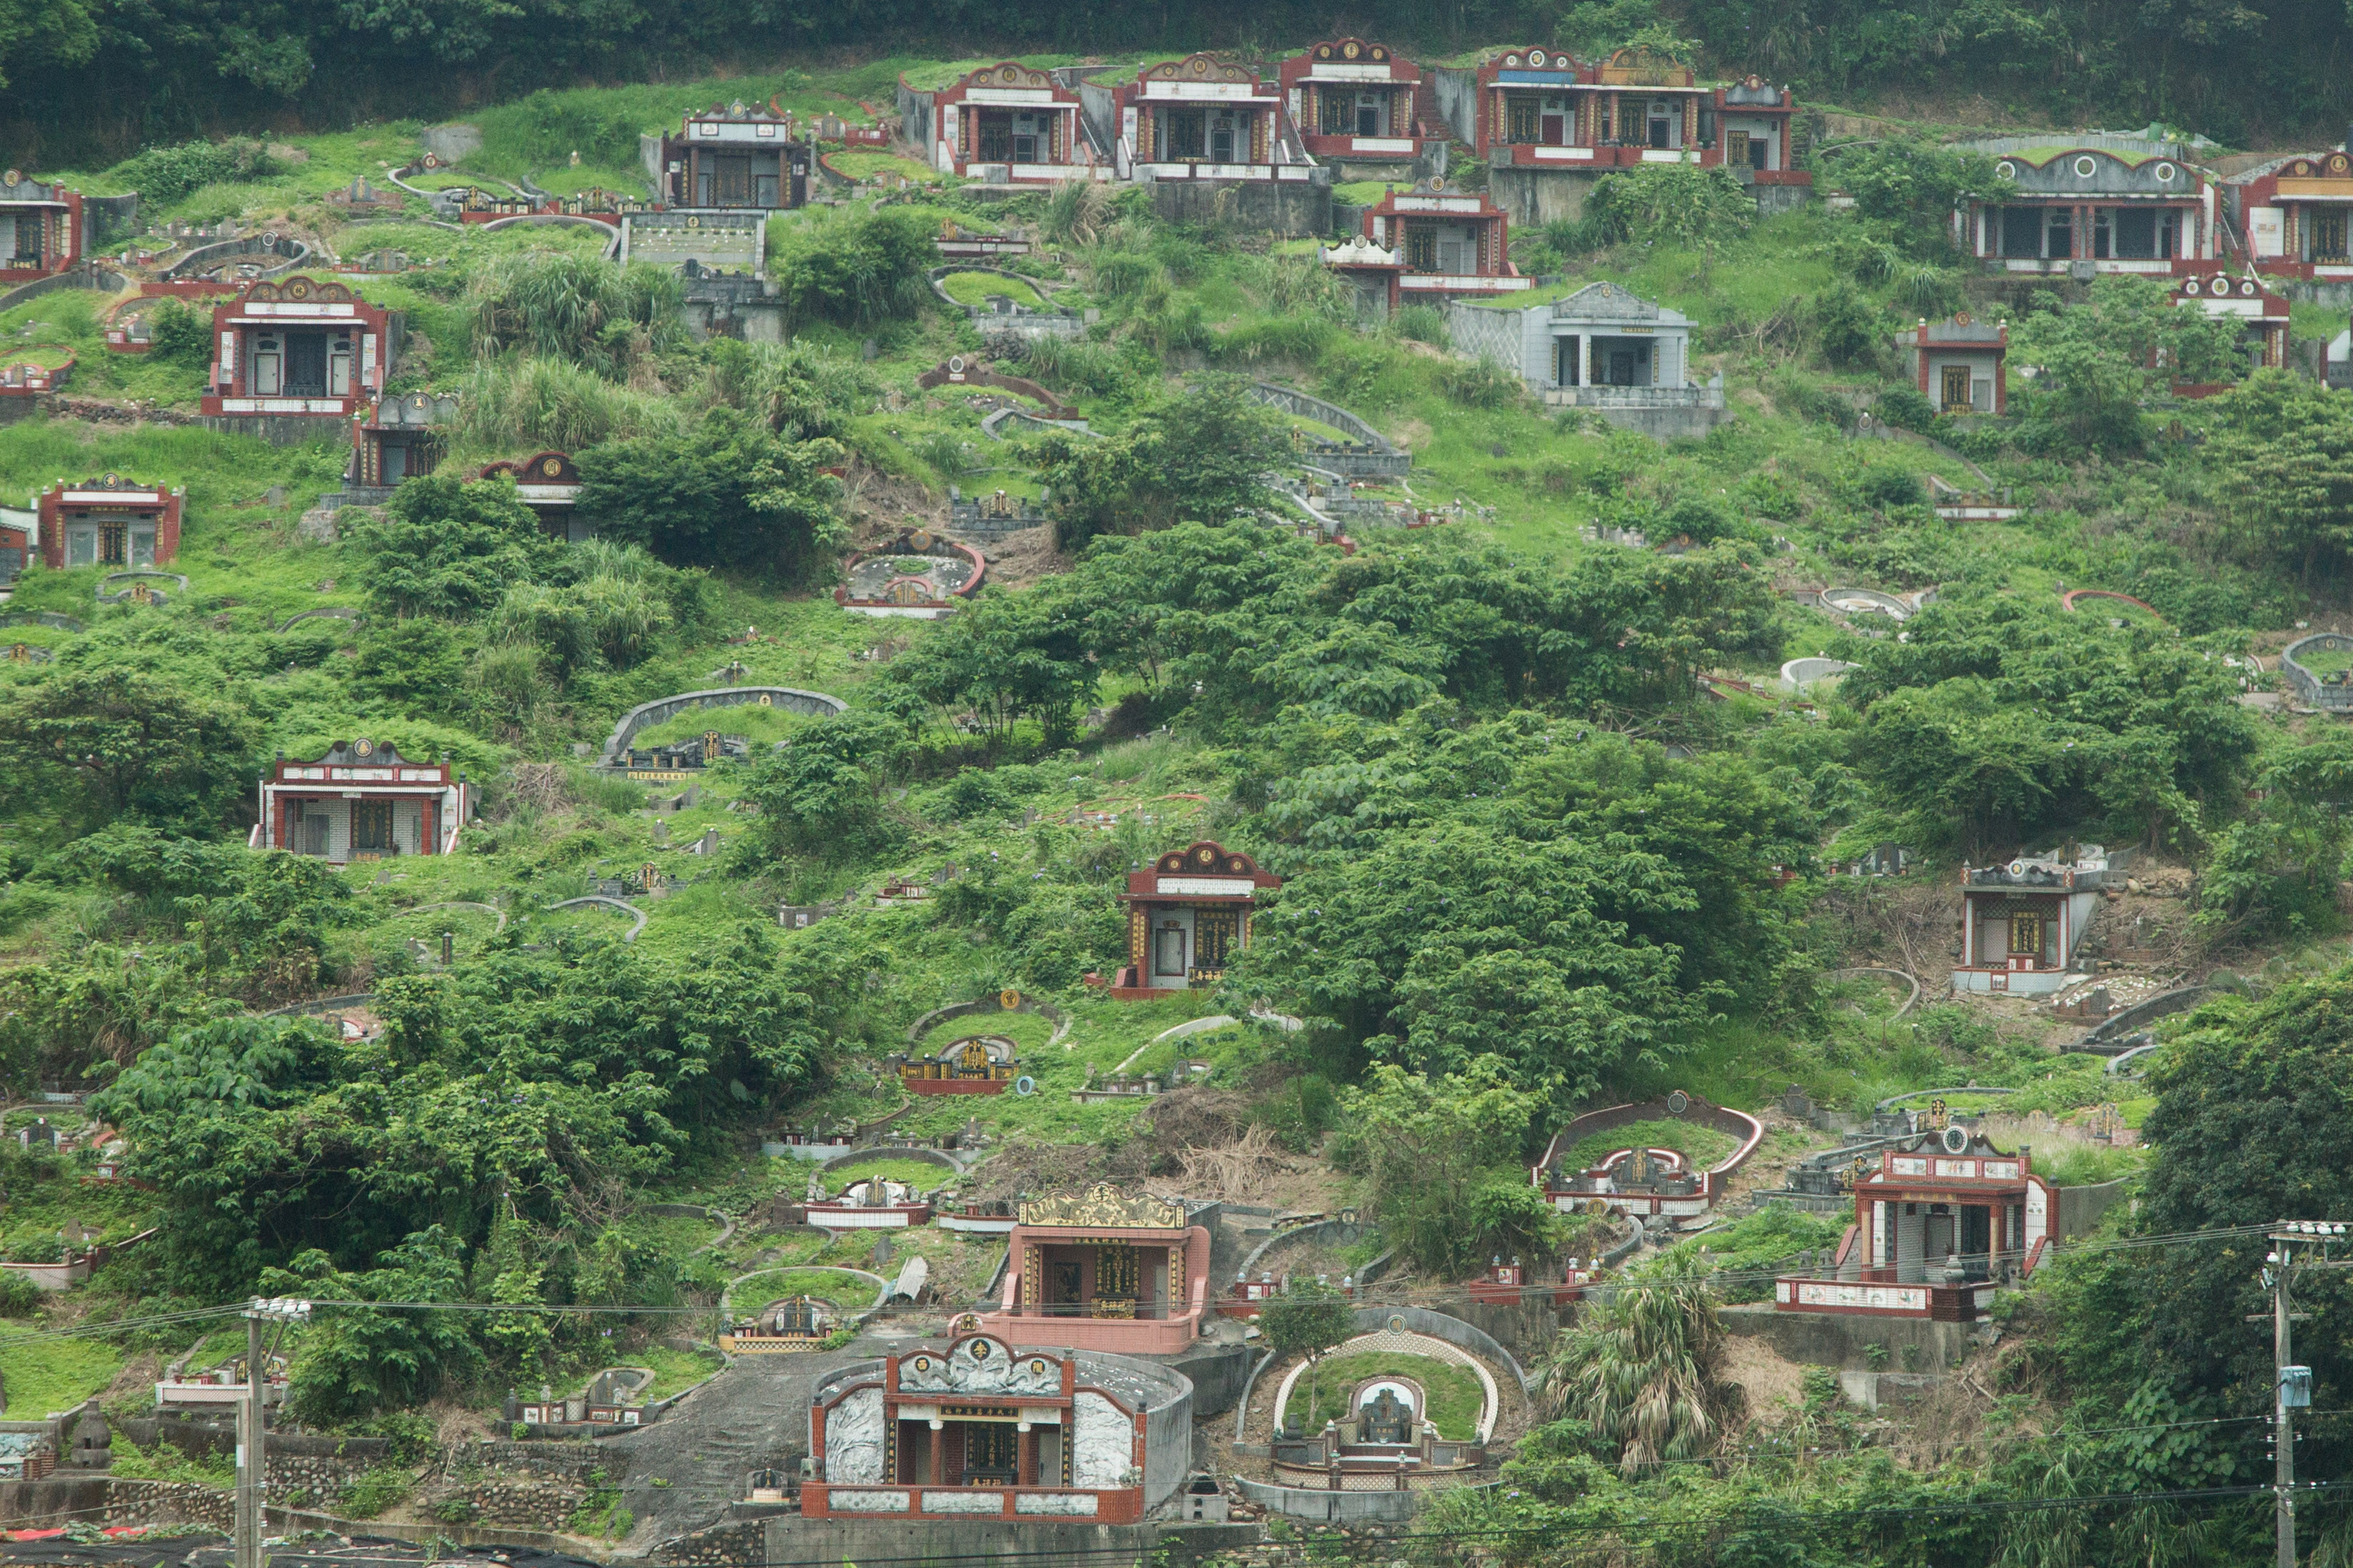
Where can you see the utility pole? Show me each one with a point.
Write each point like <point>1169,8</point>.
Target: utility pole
<point>252,1472</point>
<point>2283,1424</point>
<point>2291,1384</point>
<point>248,1449</point>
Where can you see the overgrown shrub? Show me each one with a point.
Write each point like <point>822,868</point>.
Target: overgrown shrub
<point>1905,407</point>
<point>1480,384</point>
<point>1421,324</point>
<point>854,269</point>
<point>161,175</point>
<point>576,308</point>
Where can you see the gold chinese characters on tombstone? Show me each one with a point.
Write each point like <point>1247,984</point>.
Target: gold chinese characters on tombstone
<point>1104,1207</point>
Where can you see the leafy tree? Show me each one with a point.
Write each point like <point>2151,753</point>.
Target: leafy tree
<point>2095,363</point>
<point>1996,721</point>
<point>179,334</point>
<point>1199,456</point>
<point>1642,1371</point>
<point>852,268</point>
<point>1853,330</point>
<point>100,742</point>
<point>2285,446</point>
<point>2277,868</point>
<point>450,549</point>
<point>1909,190</point>
<point>1429,1146</point>
<point>821,794</point>
<point>1307,1318</point>
<point>354,1361</point>
<point>730,494</point>
<point>1014,657</point>
<point>1682,206</point>
<point>2251,1126</point>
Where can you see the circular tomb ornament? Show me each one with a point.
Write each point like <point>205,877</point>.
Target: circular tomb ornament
<point>1535,57</point>
<point>1025,1085</point>
<point>1678,1103</point>
<point>2164,174</point>
<point>1397,1323</point>
<point>1008,999</point>
<point>2190,286</point>
<point>2085,167</point>
<point>363,748</point>
<point>2006,169</point>
<point>1957,1140</point>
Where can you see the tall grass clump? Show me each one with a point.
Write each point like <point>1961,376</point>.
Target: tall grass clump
<point>1421,324</point>
<point>576,308</point>
<point>528,404</point>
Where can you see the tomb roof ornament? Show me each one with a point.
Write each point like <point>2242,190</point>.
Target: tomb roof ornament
<point>1198,68</point>
<point>1643,66</point>
<point>1104,1207</point>
<point>979,1363</point>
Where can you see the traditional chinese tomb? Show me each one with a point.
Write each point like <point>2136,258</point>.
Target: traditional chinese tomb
<point>42,229</point>
<point>735,157</point>
<point>1187,915</point>
<point>299,346</point>
<point>985,1429</point>
<point>360,801</point>
<point>1100,1271</point>
<point>549,483</point>
<point>977,1064</point>
<point>795,1323</point>
<point>1937,1226</point>
<point>109,521</point>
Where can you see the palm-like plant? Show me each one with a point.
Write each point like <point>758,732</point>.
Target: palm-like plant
<point>1644,1369</point>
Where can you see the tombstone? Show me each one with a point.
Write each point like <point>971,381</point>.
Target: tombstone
<point>93,1440</point>
<point>1386,1418</point>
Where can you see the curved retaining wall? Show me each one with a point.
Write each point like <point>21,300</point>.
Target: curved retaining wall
<point>1737,1124</point>
<point>1870,596</point>
<point>1800,673</point>
<point>662,710</point>
<point>1439,1326</point>
<point>1292,401</point>
<point>2308,685</point>
<point>2107,1037</point>
<point>993,1003</point>
<point>205,256</point>
<point>1323,1232</point>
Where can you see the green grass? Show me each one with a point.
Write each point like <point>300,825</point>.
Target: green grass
<point>165,1462</point>
<point>847,1294</point>
<point>2326,660</point>
<point>674,1372</point>
<point>919,1174</point>
<point>1701,1146</point>
<point>2085,1164</point>
<point>45,1376</point>
<point>869,163</point>
<point>970,289</point>
<point>1453,1393</point>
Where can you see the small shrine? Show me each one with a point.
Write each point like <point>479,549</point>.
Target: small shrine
<point>677,760</point>
<point>1105,1270</point>
<point>299,346</point>
<point>976,1064</point>
<point>795,1323</point>
<point>109,521</point>
<point>736,156</point>
<point>614,1398</point>
<point>1187,916</point>
<point>1940,1219</point>
<point>985,1428</point>
<point>362,801</point>
<point>994,515</point>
